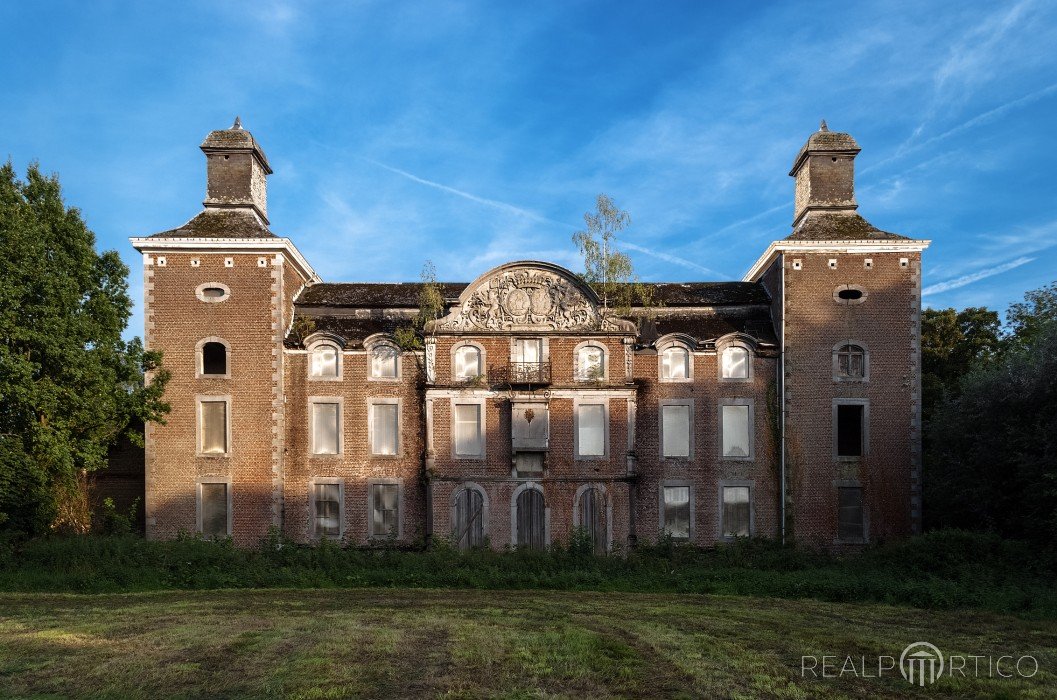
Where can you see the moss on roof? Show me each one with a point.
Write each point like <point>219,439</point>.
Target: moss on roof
<point>220,223</point>
<point>826,226</point>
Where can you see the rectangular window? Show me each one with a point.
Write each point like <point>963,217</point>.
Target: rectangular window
<point>591,435</point>
<point>468,438</point>
<point>384,428</point>
<point>384,361</point>
<point>736,511</point>
<point>326,428</point>
<point>677,511</point>
<point>528,350</point>
<point>385,503</point>
<point>849,430</point>
<point>849,513</point>
<point>736,432</point>
<point>328,509</point>
<point>675,431</point>
<point>214,428</point>
<point>214,507</point>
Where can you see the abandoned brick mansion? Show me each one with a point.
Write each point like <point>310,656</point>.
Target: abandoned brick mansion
<point>786,405</point>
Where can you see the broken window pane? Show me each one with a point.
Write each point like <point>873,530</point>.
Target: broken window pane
<point>849,430</point>
<point>326,427</point>
<point>328,509</point>
<point>736,511</point>
<point>592,425</point>
<point>735,363</point>
<point>677,511</point>
<point>214,427</point>
<point>735,431</point>
<point>384,428</point>
<point>214,510</point>
<point>675,429</point>
<point>468,430</point>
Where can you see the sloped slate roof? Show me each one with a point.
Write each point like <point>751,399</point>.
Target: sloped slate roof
<point>821,226</point>
<point>707,326</point>
<point>220,223</point>
<point>235,139</point>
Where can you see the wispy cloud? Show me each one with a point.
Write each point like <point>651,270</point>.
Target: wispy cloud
<point>974,277</point>
<point>667,257</point>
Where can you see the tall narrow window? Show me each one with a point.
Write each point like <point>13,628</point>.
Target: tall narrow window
<point>676,504</point>
<point>736,511</point>
<point>528,350</point>
<point>327,499</point>
<point>531,520</point>
<point>326,428</point>
<point>384,428</point>
<point>468,438</point>
<point>851,362</point>
<point>323,361</point>
<point>849,430</point>
<point>468,523</point>
<point>675,363</point>
<point>213,430</point>
<point>214,359</point>
<point>214,508</point>
<point>385,510</point>
<point>384,359</point>
<point>736,432</point>
<point>849,513</point>
<point>735,363</point>
<point>468,363</point>
<point>591,430</point>
<point>590,364</point>
<point>675,431</point>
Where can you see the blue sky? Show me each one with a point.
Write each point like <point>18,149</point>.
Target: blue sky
<point>475,133</point>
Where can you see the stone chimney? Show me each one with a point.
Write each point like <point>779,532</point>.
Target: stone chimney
<point>825,175</point>
<point>236,168</point>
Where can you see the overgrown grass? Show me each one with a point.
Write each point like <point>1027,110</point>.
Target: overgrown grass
<point>941,570</point>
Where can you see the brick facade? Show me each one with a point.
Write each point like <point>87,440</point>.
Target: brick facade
<point>308,454</point>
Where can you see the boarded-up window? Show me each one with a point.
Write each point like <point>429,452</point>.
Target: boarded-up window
<point>675,363</point>
<point>384,360</point>
<point>735,363</point>
<point>591,430</point>
<point>528,464</point>
<point>384,423</point>
<point>531,519</point>
<point>214,358</point>
<point>849,430</point>
<point>677,511</point>
<point>328,509</point>
<point>851,362</point>
<point>326,428</point>
<point>214,428</point>
<point>736,511</point>
<point>849,513</point>
<point>529,425</point>
<point>385,503</point>
<point>675,431</point>
<point>592,518</point>
<point>467,362</point>
<point>468,438</point>
<point>590,363</point>
<point>214,509</point>
<point>735,431</point>
<point>324,361</point>
<point>468,526</point>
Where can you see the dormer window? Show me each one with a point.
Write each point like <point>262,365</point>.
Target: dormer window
<point>385,361</point>
<point>675,364</point>
<point>324,362</point>
<point>734,362</point>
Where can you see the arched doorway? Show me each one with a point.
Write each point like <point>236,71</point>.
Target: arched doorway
<point>531,519</point>
<point>468,520</point>
<point>591,518</point>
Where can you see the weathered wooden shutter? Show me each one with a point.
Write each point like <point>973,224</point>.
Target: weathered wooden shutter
<point>530,519</point>
<point>592,521</point>
<point>469,519</point>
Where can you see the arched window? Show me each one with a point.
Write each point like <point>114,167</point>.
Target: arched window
<point>850,362</point>
<point>385,361</point>
<point>531,519</point>
<point>468,526</point>
<point>590,518</point>
<point>214,359</point>
<point>468,362</point>
<point>324,361</point>
<point>675,363</point>
<point>735,362</point>
<point>590,363</point>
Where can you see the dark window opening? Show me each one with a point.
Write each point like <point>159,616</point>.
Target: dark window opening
<point>213,292</point>
<point>849,513</point>
<point>849,430</point>
<point>214,358</point>
<point>850,294</point>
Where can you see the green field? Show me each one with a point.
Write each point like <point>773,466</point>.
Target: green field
<point>459,643</point>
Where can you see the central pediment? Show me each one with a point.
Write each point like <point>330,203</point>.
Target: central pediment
<point>528,296</point>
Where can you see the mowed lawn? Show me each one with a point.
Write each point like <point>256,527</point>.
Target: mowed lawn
<point>456,643</point>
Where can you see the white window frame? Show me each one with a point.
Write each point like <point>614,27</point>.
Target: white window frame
<point>677,483</point>
<point>311,349</point>
<point>483,422</point>
<point>721,349</point>
<point>204,398</point>
<point>865,363</point>
<point>454,363</point>
<point>372,346</point>
<point>545,353</point>
<point>340,401</point>
<point>200,358</point>
<point>328,481</point>
<point>661,348</point>
<point>200,292</point>
<point>577,375</point>
<point>226,480</point>
<point>865,403</point>
<point>582,401</point>
<point>737,483</point>
<point>371,402</point>
<point>751,403</point>
<point>385,481</point>
<point>689,403</point>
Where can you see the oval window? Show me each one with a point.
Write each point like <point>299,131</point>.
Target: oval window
<point>850,294</point>
<point>212,291</point>
<point>217,292</point>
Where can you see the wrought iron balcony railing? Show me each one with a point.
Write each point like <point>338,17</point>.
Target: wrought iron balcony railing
<point>522,373</point>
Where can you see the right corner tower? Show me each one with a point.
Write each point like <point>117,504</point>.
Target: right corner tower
<point>846,302</point>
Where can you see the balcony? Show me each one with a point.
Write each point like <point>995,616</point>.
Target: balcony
<point>521,373</point>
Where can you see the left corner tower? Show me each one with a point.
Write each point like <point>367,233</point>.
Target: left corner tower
<point>218,299</point>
